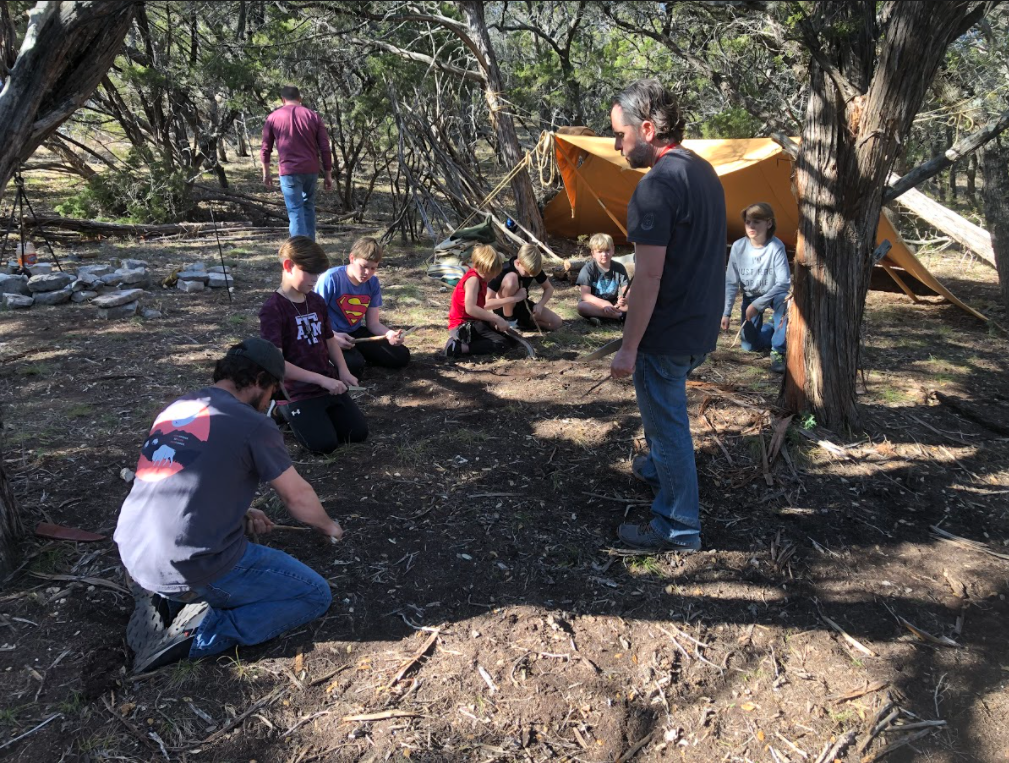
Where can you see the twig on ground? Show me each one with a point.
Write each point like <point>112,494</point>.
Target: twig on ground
<point>883,751</point>
<point>840,745</point>
<point>844,634</point>
<point>30,731</point>
<point>619,499</point>
<point>635,748</point>
<point>971,545</point>
<point>797,750</point>
<point>487,679</point>
<point>97,582</point>
<point>382,716</point>
<point>878,726</point>
<point>414,658</point>
<point>303,721</point>
<point>856,693</point>
<point>269,699</point>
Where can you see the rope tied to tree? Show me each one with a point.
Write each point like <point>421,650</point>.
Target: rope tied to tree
<point>545,155</point>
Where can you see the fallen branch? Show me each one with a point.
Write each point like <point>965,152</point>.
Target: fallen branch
<point>96,228</point>
<point>983,420</point>
<point>904,741</point>
<point>971,545</point>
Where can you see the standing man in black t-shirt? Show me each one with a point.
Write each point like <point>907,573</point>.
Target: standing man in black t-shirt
<point>676,220</point>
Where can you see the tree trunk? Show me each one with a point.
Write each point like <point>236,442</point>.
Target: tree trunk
<point>952,169</point>
<point>11,527</point>
<point>241,134</point>
<point>508,143</point>
<point>972,181</point>
<point>995,194</point>
<point>71,46</point>
<point>861,105</point>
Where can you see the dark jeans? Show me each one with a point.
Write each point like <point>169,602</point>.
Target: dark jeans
<point>324,423</point>
<point>267,593</point>
<point>482,338</point>
<point>759,338</point>
<point>380,354</point>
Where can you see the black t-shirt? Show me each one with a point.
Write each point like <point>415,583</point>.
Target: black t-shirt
<point>679,204</point>
<point>524,281</point>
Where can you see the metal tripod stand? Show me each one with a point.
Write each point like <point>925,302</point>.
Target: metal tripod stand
<point>18,214</point>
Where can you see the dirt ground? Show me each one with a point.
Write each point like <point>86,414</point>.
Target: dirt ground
<point>481,611</point>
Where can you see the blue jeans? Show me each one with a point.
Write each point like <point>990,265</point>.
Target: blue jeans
<point>756,336</point>
<point>661,385</point>
<point>299,196</point>
<point>266,593</point>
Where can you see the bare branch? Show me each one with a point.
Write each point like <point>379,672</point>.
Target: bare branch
<point>953,154</point>
<point>423,58</point>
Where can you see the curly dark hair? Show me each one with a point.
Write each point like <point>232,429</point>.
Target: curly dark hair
<point>648,99</point>
<point>243,373</point>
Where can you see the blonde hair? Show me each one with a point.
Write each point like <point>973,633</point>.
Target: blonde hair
<point>761,211</point>
<point>531,259</point>
<point>304,253</point>
<point>601,242</point>
<point>485,261</point>
<point>367,248</point>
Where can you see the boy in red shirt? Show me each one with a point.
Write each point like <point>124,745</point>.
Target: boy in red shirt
<point>473,328</point>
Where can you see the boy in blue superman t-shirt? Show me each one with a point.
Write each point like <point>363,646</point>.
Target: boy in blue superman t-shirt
<point>354,300</point>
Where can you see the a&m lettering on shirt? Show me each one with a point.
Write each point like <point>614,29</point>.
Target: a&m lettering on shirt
<point>309,328</point>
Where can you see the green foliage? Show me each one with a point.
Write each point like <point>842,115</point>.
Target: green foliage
<point>147,189</point>
<point>807,421</point>
<point>732,122</point>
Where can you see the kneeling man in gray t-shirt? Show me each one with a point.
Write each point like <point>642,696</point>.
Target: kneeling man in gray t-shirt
<point>200,586</point>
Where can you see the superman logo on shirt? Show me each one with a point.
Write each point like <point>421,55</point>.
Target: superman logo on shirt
<point>354,307</point>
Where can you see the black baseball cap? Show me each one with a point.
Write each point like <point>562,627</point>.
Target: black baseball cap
<point>263,353</point>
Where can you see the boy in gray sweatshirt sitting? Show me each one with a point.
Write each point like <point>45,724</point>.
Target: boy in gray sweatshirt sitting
<point>759,265</point>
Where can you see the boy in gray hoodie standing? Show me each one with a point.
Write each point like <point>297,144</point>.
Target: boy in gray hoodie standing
<point>759,265</point>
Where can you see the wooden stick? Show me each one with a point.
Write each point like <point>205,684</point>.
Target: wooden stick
<point>384,715</point>
<point>360,340</point>
<point>31,731</point>
<point>883,751</point>
<point>414,659</point>
<point>292,527</point>
<point>844,634</point>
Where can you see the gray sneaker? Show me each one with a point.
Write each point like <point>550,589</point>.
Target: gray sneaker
<point>645,538</point>
<point>777,362</point>
<point>174,643</point>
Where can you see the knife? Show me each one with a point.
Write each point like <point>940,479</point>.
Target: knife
<point>607,349</point>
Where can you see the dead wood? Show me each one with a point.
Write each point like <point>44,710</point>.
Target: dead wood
<point>96,228</point>
<point>964,409</point>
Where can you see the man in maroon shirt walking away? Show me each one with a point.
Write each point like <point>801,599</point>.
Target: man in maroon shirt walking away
<point>300,138</point>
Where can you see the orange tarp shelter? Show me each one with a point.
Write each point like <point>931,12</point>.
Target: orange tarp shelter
<point>598,185</point>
